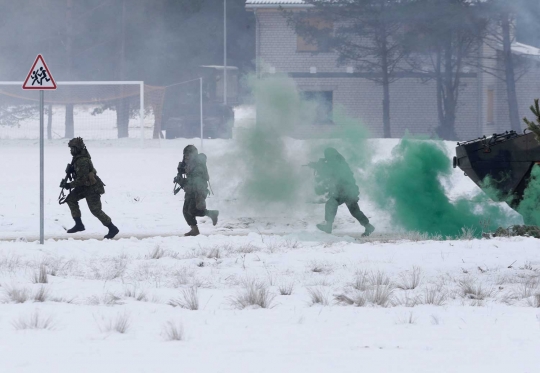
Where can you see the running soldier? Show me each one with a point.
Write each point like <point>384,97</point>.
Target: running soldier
<point>85,184</point>
<point>193,178</point>
<point>335,179</point>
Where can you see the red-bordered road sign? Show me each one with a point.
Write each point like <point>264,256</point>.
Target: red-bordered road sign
<point>40,76</point>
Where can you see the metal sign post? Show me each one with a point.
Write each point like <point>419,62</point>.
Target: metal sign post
<point>40,78</point>
<point>201,109</point>
<point>41,169</point>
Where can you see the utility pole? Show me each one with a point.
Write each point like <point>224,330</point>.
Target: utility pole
<point>69,123</point>
<point>122,108</point>
<point>225,52</point>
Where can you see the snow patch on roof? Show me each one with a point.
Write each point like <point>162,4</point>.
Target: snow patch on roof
<point>275,3</point>
<point>526,50</point>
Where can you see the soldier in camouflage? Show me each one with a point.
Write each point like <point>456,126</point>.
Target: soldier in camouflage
<point>85,184</point>
<point>335,179</point>
<point>193,178</point>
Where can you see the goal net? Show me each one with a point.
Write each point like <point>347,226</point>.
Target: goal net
<point>91,110</point>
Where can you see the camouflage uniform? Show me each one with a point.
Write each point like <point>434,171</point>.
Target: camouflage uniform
<point>85,185</point>
<point>335,179</point>
<point>195,185</point>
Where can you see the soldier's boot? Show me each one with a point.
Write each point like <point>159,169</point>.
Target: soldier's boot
<point>369,229</point>
<point>325,227</point>
<point>213,214</point>
<point>193,232</point>
<point>78,227</point>
<point>113,231</point>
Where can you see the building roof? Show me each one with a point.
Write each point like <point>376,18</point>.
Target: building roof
<point>275,3</point>
<point>525,50</point>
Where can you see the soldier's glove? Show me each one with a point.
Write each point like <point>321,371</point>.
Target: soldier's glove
<point>176,180</point>
<point>66,185</point>
<point>62,183</point>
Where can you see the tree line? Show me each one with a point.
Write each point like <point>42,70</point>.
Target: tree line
<point>437,38</point>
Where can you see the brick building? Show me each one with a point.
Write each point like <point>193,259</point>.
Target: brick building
<point>482,107</point>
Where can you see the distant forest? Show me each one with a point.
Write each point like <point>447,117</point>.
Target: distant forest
<point>158,41</point>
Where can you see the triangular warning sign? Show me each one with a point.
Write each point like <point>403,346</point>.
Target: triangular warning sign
<point>39,76</point>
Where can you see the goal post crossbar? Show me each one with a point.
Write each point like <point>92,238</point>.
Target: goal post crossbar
<point>140,83</point>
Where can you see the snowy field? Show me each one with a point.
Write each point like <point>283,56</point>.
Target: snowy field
<point>263,291</point>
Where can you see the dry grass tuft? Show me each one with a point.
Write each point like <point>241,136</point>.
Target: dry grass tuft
<point>41,295</point>
<point>380,295</point>
<point>34,321</point>
<point>138,295</point>
<point>435,295</point>
<point>534,301</point>
<point>16,295</point>
<point>472,290</point>
<point>189,299</point>
<point>406,319</point>
<point>173,331</point>
<point>255,293</point>
<point>361,281</point>
<point>406,300</point>
<point>40,277</point>
<point>156,253</point>
<point>318,295</point>
<point>410,279</point>
<point>120,324</point>
<point>286,288</point>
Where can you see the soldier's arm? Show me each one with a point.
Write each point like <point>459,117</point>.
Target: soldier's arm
<point>82,169</point>
<point>181,168</point>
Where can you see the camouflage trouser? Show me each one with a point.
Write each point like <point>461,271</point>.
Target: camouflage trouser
<point>332,205</point>
<point>93,199</point>
<point>194,205</point>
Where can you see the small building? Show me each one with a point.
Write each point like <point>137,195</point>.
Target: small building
<point>482,106</point>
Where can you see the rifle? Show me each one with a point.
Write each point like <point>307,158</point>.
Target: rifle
<point>69,176</point>
<point>178,184</point>
<point>316,166</point>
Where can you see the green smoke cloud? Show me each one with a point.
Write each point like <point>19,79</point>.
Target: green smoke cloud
<point>270,174</point>
<point>528,207</point>
<point>410,187</point>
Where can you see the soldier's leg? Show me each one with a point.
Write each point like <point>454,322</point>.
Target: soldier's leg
<point>187,210</point>
<point>330,211</point>
<point>73,202</point>
<point>355,211</point>
<point>200,209</point>
<point>93,200</point>
<point>94,204</point>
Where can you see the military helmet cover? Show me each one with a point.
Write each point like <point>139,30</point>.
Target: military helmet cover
<point>76,142</point>
<point>190,149</point>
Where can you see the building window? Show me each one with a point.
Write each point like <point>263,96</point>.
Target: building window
<point>319,36</point>
<point>323,102</point>
<point>490,106</point>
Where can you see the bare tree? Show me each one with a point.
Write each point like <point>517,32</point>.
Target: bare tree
<point>445,34</point>
<point>365,33</point>
<point>500,35</point>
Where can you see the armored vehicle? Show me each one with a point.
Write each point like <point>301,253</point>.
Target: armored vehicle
<point>507,158</point>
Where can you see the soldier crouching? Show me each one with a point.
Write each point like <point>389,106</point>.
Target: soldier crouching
<point>85,185</point>
<point>193,178</point>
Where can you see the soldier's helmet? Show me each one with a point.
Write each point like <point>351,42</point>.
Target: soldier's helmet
<point>77,142</point>
<point>190,149</point>
<point>332,155</point>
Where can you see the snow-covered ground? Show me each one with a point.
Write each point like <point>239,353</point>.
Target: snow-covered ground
<point>395,302</point>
